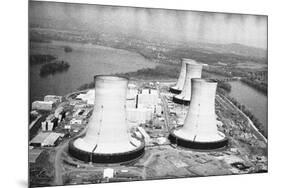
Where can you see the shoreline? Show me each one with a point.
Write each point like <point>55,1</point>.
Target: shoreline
<point>248,119</point>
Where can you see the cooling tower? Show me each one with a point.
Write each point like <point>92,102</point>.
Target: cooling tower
<point>107,139</point>
<point>200,127</point>
<point>131,92</point>
<point>180,82</point>
<point>193,70</point>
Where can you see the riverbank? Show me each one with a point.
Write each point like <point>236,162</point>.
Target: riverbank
<point>261,87</point>
<point>252,125</point>
<point>252,102</point>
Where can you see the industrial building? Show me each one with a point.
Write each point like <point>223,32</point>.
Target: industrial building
<point>181,117</point>
<point>144,107</point>
<point>107,139</point>
<point>131,103</point>
<point>200,126</point>
<point>144,134</point>
<point>45,139</point>
<point>88,97</point>
<point>139,115</point>
<point>148,97</point>
<point>78,121</point>
<point>59,111</point>
<point>193,70</point>
<point>43,105</point>
<point>50,123</point>
<point>54,98</point>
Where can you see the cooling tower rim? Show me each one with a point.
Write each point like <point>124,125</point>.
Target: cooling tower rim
<point>121,157</point>
<point>110,78</point>
<point>187,60</point>
<point>193,62</point>
<point>181,101</point>
<point>197,145</point>
<point>204,80</point>
<point>174,90</point>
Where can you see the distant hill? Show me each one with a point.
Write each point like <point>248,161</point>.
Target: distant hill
<point>233,48</point>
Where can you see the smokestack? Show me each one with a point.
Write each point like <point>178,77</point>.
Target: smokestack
<point>180,82</point>
<point>107,139</point>
<point>200,128</point>
<point>193,70</point>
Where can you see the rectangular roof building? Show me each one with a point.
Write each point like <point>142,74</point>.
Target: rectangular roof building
<point>46,139</point>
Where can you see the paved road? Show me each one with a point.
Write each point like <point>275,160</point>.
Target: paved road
<point>166,112</point>
<point>58,166</point>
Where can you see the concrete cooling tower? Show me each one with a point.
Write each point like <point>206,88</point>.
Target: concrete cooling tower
<point>131,92</point>
<point>193,70</point>
<point>200,126</point>
<point>180,82</point>
<point>107,139</point>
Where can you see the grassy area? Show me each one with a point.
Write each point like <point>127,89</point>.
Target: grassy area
<point>41,173</point>
<point>160,72</point>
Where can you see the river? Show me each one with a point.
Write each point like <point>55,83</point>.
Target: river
<point>254,100</point>
<point>86,60</point>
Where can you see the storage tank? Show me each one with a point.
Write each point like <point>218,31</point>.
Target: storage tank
<point>107,139</point>
<point>193,70</point>
<point>200,126</point>
<point>180,82</point>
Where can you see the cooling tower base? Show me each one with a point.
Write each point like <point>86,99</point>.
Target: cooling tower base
<point>197,145</point>
<point>175,91</point>
<point>105,158</point>
<point>180,101</point>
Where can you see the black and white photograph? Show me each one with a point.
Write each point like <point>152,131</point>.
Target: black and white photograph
<point>121,94</point>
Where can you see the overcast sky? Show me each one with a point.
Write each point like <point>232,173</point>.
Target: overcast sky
<point>171,24</point>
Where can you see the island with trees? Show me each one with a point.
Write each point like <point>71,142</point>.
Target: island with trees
<point>38,59</point>
<point>54,67</point>
<point>67,49</point>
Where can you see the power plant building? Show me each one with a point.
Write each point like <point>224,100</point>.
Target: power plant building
<point>107,139</point>
<point>148,99</point>
<point>142,109</point>
<point>200,126</point>
<point>193,70</point>
<point>50,123</point>
<point>139,115</point>
<point>88,97</point>
<point>44,139</point>
<point>53,98</point>
<point>43,105</point>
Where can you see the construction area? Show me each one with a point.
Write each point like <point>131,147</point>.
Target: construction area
<point>72,133</point>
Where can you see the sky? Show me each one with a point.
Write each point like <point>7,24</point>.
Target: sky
<point>176,25</point>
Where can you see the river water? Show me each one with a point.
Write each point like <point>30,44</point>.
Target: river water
<point>85,61</point>
<point>254,100</point>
